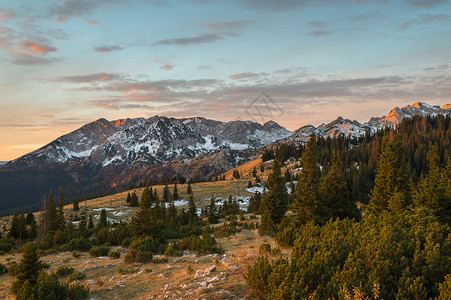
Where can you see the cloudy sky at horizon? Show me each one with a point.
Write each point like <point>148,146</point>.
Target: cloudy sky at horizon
<point>67,63</point>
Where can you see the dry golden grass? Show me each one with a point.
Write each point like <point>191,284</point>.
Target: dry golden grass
<point>167,280</point>
<point>171,280</point>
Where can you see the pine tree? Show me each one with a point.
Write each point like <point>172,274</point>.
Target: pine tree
<point>29,267</point>
<point>31,222</point>
<point>274,204</point>
<point>392,177</point>
<point>192,212</point>
<point>103,221</point>
<point>14,228</point>
<point>51,214</point>
<point>175,194</point>
<point>76,206</point>
<point>129,198</point>
<point>337,193</point>
<point>82,224</point>
<point>254,172</point>
<point>134,202</point>
<point>166,194</point>
<point>146,222</point>
<point>307,204</point>
<point>23,234</point>
<point>90,222</point>
<point>255,203</point>
<point>43,229</point>
<point>212,213</point>
<point>267,226</point>
<point>60,210</point>
<point>189,190</point>
<point>287,175</point>
<point>171,215</point>
<point>432,189</point>
<point>29,218</point>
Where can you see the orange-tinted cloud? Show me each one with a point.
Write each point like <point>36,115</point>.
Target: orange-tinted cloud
<point>6,15</point>
<point>92,22</point>
<point>167,67</point>
<point>37,48</point>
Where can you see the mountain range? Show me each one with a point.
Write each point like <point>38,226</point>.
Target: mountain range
<point>104,155</point>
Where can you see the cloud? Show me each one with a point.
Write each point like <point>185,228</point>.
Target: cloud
<point>244,76</point>
<point>317,24</point>
<point>234,25</point>
<point>206,38</point>
<point>92,22</point>
<point>37,48</point>
<point>106,104</point>
<point>423,20</point>
<point>115,104</point>
<point>27,59</point>
<point>97,77</point>
<point>6,15</point>
<point>167,67</point>
<point>77,8</point>
<point>320,32</point>
<point>108,48</point>
<point>427,3</point>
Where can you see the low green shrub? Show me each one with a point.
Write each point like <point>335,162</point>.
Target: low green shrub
<point>114,254</point>
<point>76,276</point>
<point>97,251</point>
<point>64,270</point>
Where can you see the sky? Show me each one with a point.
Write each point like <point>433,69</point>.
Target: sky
<point>69,62</point>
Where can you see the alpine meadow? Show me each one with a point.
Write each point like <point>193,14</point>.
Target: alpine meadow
<point>242,149</point>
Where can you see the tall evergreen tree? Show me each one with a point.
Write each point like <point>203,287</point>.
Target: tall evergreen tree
<point>175,194</point>
<point>171,215</point>
<point>189,190</point>
<point>255,203</point>
<point>128,199</point>
<point>14,228</point>
<point>60,210</point>
<point>33,228</point>
<point>43,222</point>
<point>275,201</point>
<point>392,177</point>
<point>29,267</point>
<point>90,222</point>
<point>308,204</point>
<point>82,224</point>
<point>76,205</point>
<point>51,213</point>
<point>103,221</point>
<point>192,212</point>
<point>337,192</point>
<point>134,202</point>
<point>23,234</point>
<point>212,212</point>
<point>166,194</point>
<point>146,222</point>
<point>432,189</point>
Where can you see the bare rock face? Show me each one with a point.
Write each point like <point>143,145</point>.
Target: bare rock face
<point>149,141</point>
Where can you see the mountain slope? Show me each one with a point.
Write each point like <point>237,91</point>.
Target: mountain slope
<point>355,129</point>
<point>104,154</point>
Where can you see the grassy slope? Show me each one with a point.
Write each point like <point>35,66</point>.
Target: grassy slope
<point>168,280</point>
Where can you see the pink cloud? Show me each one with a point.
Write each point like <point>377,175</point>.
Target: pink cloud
<point>36,47</point>
<point>6,15</point>
<point>167,67</point>
<point>92,22</point>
